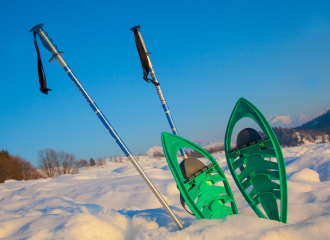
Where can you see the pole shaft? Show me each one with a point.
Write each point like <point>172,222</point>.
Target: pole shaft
<point>106,123</point>
<point>143,50</point>
<point>165,107</point>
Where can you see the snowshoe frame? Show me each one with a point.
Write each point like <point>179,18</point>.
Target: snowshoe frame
<point>259,174</point>
<point>204,198</point>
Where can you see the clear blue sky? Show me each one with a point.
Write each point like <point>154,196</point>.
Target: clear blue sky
<point>206,54</point>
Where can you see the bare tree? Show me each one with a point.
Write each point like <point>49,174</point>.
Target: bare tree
<point>46,162</point>
<point>101,162</point>
<point>158,154</point>
<point>68,163</point>
<point>55,163</point>
<point>55,158</point>
<point>82,163</point>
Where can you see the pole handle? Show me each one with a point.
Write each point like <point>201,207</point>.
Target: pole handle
<point>45,39</point>
<point>136,28</point>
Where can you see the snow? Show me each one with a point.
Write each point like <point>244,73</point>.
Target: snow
<point>113,202</point>
<point>156,149</point>
<point>305,174</point>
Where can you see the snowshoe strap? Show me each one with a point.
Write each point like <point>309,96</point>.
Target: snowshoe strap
<point>41,72</point>
<point>198,173</point>
<point>183,203</point>
<point>249,144</point>
<point>145,77</point>
<point>191,168</point>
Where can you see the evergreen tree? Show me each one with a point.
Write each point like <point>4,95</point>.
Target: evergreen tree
<point>91,162</point>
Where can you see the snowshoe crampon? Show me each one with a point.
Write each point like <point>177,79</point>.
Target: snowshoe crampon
<point>262,182</point>
<point>205,189</point>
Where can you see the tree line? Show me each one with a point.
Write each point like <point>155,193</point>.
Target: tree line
<point>16,167</point>
<point>51,163</point>
<point>210,150</point>
<point>319,124</point>
<point>288,137</point>
<point>54,163</point>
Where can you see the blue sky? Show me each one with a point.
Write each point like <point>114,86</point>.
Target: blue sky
<point>206,54</point>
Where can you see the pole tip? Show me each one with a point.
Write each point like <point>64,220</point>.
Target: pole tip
<point>135,28</point>
<point>35,28</point>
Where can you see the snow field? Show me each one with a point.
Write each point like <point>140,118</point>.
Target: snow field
<point>113,202</point>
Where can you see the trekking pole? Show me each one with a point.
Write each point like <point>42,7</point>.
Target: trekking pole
<point>47,42</point>
<point>147,68</point>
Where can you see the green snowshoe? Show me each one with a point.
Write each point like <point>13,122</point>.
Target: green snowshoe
<point>262,182</point>
<point>205,189</point>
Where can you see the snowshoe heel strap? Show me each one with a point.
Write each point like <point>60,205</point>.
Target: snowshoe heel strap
<point>183,203</point>
<point>198,173</point>
<point>191,168</point>
<point>249,144</point>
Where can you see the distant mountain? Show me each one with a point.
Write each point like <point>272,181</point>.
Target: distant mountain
<point>201,143</point>
<point>289,121</point>
<point>208,145</point>
<point>211,147</point>
<point>320,123</point>
<point>314,131</point>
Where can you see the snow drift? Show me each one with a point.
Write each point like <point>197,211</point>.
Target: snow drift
<point>113,202</point>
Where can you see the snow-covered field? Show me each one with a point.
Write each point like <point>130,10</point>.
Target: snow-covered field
<point>114,203</point>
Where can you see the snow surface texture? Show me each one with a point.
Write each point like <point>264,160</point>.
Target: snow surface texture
<point>113,202</point>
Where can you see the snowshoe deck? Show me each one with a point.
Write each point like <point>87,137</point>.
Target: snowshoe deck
<point>207,191</point>
<point>262,182</point>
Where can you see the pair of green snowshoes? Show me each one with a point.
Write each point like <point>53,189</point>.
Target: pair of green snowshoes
<point>263,183</point>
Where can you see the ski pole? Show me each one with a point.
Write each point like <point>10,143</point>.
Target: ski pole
<point>147,68</point>
<point>47,42</point>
